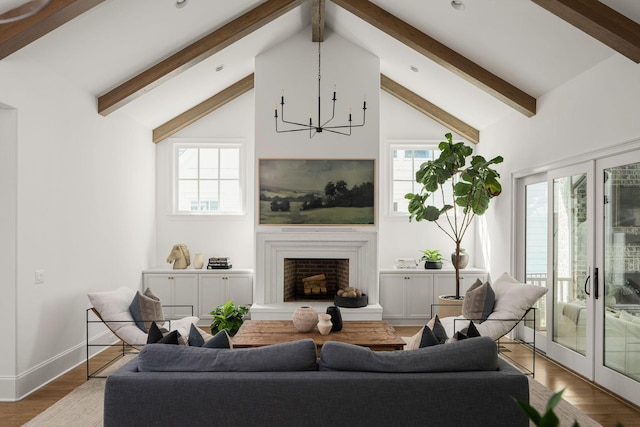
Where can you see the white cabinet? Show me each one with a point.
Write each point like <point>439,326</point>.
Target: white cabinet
<point>202,289</point>
<point>216,289</point>
<point>406,296</point>
<point>174,289</point>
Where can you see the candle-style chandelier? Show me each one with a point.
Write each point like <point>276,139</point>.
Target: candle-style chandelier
<point>319,126</point>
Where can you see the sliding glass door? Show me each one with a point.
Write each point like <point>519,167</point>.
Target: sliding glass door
<point>571,243</point>
<point>618,312</point>
<point>579,235</point>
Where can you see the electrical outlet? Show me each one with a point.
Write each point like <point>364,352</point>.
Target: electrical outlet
<point>39,277</point>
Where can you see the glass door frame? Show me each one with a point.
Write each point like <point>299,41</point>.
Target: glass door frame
<point>619,383</point>
<point>524,330</point>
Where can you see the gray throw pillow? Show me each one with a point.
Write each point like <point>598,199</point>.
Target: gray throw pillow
<point>478,302</point>
<point>479,354</point>
<point>290,356</point>
<point>146,308</point>
<point>219,340</point>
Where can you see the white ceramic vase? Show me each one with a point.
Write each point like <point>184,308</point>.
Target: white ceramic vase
<point>305,318</point>
<point>324,324</point>
<point>198,261</point>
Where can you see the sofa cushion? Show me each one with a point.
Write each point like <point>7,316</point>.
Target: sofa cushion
<point>478,301</point>
<point>290,356</point>
<point>479,354</point>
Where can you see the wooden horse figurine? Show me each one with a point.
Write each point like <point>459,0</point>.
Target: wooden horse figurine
<point>179,256</point>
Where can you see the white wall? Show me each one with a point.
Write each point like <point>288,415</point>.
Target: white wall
<point>85,215</point>
<point>595,110</point>
<point>293,66</point>
<point>8,223</point>
<point>398,237</point>
<point>225,235</point>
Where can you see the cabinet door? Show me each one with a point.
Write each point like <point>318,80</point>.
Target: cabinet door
<point>174,289</point>
<point>239,289</point>
<point>185,292</point>
<point>392,295</point>
<point>161,285</point>
<point>212,294</point>
<point>418,296</point>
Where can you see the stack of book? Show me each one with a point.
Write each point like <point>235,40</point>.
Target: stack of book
<point>216,263</point>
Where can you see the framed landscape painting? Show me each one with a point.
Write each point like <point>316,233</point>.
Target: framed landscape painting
<point>316,192</point>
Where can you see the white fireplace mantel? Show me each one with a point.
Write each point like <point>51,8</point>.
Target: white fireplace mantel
<point>360,248</point>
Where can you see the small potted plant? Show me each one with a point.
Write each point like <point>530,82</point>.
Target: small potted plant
<point>228,316</point>
<point>432,259</point>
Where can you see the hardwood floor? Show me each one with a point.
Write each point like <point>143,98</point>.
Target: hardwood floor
<point>600,405</point>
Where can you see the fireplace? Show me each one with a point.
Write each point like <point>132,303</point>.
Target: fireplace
<point>355,252</point>
<point>314,279</point>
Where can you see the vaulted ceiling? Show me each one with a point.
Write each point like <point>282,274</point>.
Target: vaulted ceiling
<point>167,67</point>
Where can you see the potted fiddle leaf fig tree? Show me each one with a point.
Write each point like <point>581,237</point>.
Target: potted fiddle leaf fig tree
<point>471,183</point>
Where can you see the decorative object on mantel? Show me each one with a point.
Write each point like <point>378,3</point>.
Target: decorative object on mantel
<point>461,260</point>
<point>350,297</point>
<point>219,263</point>
<point>432,259</point>
<point>179,256</point>
<point>319,126</point>
<point>324,324</point>
<point>198,261</point>
<point>336,318</point>
<point>473,188</point>
<point>305,318</point>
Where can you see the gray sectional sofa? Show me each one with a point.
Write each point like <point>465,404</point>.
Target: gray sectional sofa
<point>458,384</point>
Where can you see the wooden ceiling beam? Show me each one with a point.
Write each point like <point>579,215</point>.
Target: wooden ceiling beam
<point>317,20</point>
<point>18,34</point>
<point>430,110</point>
<point>194,53</point>
<point>441,54</point>
<point>194,114</point>
<point>600,22</point>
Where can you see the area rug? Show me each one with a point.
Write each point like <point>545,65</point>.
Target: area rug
<point>83,406</point>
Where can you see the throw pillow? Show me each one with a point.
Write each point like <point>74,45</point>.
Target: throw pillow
<point>428,338</point>
<point>469,332</point>
<point>219,340</point>
<point>156,334</point>
<point>478,302</point>
<point>513,299</point>
<point>195,338</point>
<point>413,342</point>
<point>146,308</point>
<point>438,331</point>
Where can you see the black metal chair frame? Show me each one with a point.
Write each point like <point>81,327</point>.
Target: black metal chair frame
<point>93,317</point>
<point>529,316</point>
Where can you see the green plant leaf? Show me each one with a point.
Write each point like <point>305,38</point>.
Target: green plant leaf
<point>531,412</point>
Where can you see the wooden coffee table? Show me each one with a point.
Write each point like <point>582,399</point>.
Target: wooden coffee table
<point>377,335</point>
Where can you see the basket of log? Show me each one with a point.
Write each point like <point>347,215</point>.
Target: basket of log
<point>350,298</point>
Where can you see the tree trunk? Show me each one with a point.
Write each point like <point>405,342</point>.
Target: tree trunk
<point>457,270</point>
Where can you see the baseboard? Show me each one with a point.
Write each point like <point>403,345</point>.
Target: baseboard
<point>17,388</point>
